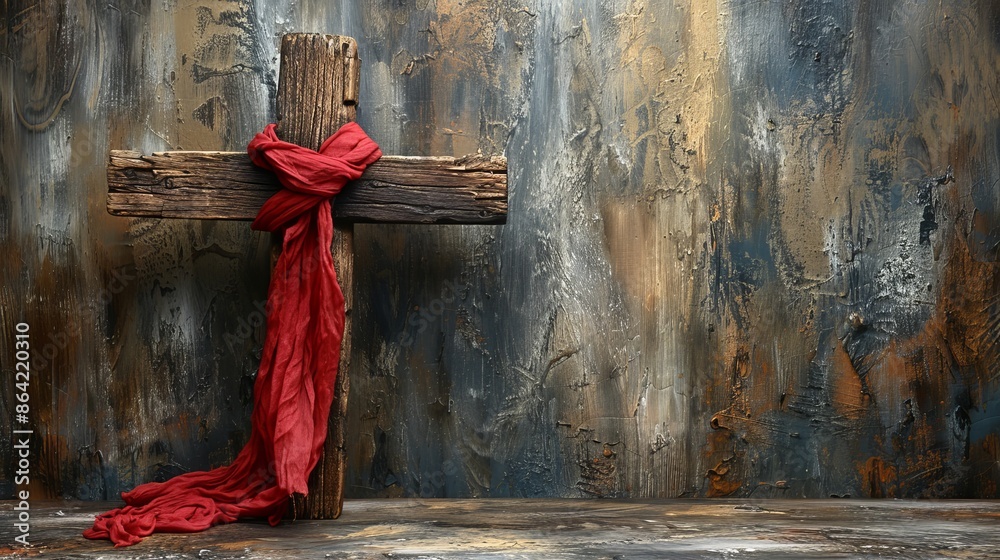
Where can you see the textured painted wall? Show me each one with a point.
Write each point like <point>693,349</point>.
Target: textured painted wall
<point>752,248</point>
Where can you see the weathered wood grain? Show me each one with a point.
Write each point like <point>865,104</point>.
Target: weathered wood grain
<point>227,186</point>
<point>562,529</point>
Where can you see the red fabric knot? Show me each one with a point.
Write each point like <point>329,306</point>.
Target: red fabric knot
<point>309,177</point>
<point>293,391</point>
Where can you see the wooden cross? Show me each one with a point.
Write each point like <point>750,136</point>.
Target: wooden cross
<point>317,93</point>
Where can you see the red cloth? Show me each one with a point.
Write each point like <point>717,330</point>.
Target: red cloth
<point>294,387</point>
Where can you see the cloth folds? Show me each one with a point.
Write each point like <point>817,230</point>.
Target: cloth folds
<point>293,391</point>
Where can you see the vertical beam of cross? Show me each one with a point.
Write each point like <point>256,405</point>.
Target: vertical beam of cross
<point>317,94</point>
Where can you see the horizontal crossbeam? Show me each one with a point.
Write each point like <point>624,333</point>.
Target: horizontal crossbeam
<point>227,186</point>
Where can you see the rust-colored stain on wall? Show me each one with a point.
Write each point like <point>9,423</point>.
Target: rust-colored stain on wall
<point>752,247</point>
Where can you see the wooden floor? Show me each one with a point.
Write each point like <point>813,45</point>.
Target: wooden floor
<point>556,529</point>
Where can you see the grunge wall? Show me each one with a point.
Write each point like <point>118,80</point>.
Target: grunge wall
<point>752,248</point>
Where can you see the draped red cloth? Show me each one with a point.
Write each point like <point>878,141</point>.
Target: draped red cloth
<point>294,386</point>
